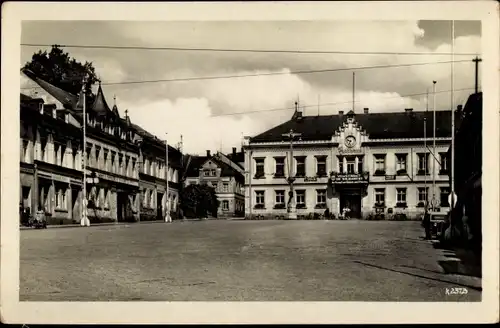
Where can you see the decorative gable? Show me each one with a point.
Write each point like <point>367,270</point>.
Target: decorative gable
<point>350,136</point>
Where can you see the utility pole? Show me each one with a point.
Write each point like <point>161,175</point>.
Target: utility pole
<point>292,210</point>
<point>84,220</point>
<point>452,175</point>
<point>476,61</point>
<point>433,146</point>
<point>425,147</point>
<point>319,99</point>
<point>353,89</point>
<point>168,219</point>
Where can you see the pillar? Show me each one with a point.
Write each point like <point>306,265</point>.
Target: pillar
<point>356,161</point>
<point>344,162</point>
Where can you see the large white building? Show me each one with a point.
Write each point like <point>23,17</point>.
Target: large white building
<point>371,163</point>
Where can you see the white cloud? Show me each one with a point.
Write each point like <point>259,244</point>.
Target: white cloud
<point>191,118</point>
<point>187,107</point>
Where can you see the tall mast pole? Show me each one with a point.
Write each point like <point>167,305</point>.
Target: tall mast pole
<point>292,213</point>
<point>425,147</point>
<point>353,89</point>
<point>476,62</point>
<point>434,146</point>
<point>167,194</point>
<point>84,220</point>
<point>452,187</point>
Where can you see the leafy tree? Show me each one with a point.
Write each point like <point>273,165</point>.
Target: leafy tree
<point>198,201</point>
<point>59,69</point>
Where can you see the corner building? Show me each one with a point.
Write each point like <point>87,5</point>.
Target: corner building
<point>375,164</point>
<point>126,170</point>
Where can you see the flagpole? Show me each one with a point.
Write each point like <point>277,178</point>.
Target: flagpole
<point>452,187</point>
<point>167,171</point>
<point>425,147</point>
<point>434,147</point>
<point>84,220</point>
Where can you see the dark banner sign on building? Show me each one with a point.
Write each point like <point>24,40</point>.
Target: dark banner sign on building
<point>349,178</point>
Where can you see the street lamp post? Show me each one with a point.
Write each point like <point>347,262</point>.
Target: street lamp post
<point>168,218</point>
<point>84,220</point>
<point>292,210</point>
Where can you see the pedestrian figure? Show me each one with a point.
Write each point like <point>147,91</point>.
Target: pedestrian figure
<point>427,225</point>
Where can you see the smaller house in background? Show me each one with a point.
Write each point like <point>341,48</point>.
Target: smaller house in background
<point>237,157</point>
<point>220,172</point>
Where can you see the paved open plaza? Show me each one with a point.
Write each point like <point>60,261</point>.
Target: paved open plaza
<point>226,260</point>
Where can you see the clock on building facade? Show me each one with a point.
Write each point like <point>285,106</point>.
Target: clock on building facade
<point>350,141</point>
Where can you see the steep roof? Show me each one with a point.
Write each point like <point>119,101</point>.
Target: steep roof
<point>377,125</point>
<point>196,162</point>
<point>237,158</point>
<point>100,106</point>
<point>68,100</point>
<point>194,165</point>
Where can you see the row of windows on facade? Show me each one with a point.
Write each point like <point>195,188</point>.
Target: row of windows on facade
<point>116,131</point>
<point>110,129</point>
<point>110,161</point>
<point>380,197</point>
<point>238,206</point>
<point>221,186</point>
<point>351,165</point>
<point>149,199</point>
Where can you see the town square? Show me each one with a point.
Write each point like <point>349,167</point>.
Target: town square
<point>213,161</point>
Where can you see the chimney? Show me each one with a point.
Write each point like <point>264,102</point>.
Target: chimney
<point>234,150</point>
<point>408,110</point>
<point>341,112</point>
<point>365,110</point>
<point>208,153</point>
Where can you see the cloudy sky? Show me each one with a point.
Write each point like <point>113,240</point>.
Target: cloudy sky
<point>205,112</point>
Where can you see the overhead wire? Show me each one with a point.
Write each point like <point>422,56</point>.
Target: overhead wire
<point>333,103</point>
<point>115,47</point>
<point>200,78</point>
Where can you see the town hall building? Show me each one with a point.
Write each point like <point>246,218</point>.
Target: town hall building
<point>374,164</point>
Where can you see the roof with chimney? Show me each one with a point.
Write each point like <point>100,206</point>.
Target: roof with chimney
<point>392,125</point>
<point>237,157</point>
<point>196,162</point>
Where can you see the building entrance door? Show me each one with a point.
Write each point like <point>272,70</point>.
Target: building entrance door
<point>352,201</point>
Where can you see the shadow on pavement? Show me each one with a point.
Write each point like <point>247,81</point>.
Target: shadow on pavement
<point>461,261</point>
<point>420,276</point>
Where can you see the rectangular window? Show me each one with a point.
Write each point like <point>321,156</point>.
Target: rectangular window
<point>380,164</point>
<point>360,165</point>
<point>351,164</point>
<point>321,197</point>
<point>225,205</point>
<point>341,165</point>
<point>422,196</point>
<point>206,173</point>
<point>443,159</point>
<point>423,163</point>
<point>280,167</point>
<point>225,187</point>
<point>401,196</point>
<point>401,163</point>
<point>259,168</point>
<point>321,166</point>
<point>301,166</point>
<point>300,198</point>
<point>380,196</point>
<point>61,199</point>
<point>444,193</point>
<point>280,198</point>
<point>259,198</point>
